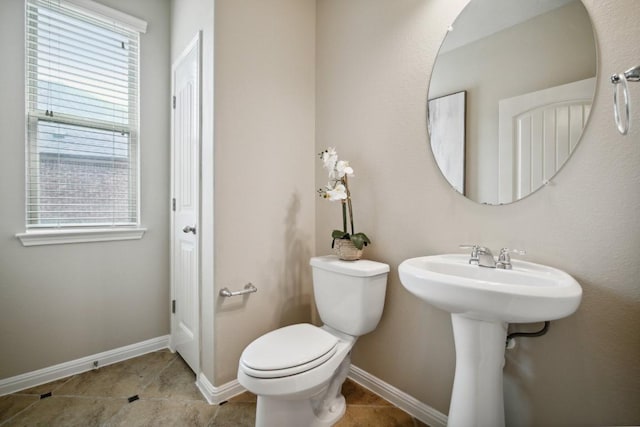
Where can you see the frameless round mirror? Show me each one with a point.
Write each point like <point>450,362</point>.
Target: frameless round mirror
<point>510,95</point>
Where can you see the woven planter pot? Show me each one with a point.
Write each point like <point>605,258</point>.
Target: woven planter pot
<point>346,250</point>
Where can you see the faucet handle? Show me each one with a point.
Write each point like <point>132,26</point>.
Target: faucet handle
<point>474,253</point>
<point>504,259</point>
<point>504,252</point>
<point>469,246</point>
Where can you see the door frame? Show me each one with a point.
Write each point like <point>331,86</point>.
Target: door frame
<point>197,43</point>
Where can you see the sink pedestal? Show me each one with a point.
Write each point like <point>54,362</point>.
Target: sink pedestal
<point>477,398</point>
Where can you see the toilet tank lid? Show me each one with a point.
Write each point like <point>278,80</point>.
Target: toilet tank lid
<point>359,268</point>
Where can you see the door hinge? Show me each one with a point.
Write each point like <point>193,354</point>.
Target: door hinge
<point>174,102</point>
<point>173,204</point>
<point>173,307</point>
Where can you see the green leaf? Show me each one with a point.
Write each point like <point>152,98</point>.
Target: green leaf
<point>339,234</point>
<point>360,240</point>
<point>364,237</point>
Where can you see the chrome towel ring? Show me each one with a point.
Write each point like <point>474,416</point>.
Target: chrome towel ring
<point>623,121</point>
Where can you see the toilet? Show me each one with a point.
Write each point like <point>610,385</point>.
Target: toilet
<point>297,371</point>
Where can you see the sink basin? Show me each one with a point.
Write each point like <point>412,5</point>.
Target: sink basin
<point>482,302</point>
<point>527,293</point>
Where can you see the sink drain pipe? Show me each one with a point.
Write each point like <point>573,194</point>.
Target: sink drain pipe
<point>539,333</point>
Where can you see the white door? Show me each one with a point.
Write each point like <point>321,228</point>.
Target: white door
<point>538,131</point>
<point>185,190</point>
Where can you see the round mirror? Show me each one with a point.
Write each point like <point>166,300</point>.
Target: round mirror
<point>510,95</point>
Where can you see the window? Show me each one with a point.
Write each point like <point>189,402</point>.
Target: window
<point>82,117</point>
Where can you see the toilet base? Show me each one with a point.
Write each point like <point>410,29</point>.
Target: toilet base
<point>295,413</point>
<point>322,410</point>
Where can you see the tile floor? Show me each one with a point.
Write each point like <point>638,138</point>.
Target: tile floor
<point>167,396</point>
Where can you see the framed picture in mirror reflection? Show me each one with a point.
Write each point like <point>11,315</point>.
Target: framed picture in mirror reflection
<point>447,129</point>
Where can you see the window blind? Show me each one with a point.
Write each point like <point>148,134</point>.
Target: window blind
<point>82,118</point>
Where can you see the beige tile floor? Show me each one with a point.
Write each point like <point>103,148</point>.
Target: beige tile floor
<point>167,396</point>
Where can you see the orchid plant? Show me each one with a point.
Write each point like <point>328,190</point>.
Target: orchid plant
<point>338,189</point>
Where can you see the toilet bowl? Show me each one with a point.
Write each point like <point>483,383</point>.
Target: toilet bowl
<point>297,371</point>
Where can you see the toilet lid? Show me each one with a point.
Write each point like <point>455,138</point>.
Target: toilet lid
<point>288,351</point>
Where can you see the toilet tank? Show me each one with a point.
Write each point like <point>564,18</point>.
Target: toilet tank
<point>349,295</point>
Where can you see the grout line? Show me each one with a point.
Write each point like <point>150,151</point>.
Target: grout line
<point>53,390</point>
<point>86,397</point>
<point>172,399</point>
<point>19,412</point>
<point>215,416</point>
<point>69,378</point>
<point>142,389</point>
<point>155,377</point>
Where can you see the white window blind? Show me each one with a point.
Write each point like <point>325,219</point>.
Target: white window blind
<point>82,118</point>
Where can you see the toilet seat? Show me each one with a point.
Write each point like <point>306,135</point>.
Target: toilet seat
<point>288,351</point>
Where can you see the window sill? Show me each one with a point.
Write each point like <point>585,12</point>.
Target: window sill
<point>60,237</point>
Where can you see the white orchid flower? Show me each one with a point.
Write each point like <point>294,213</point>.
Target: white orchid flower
<point>329,159</point>
<point>339,192</point>
<point>343,168</point>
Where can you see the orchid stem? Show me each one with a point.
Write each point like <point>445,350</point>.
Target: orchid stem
<point>346,186</point>
<point>344,216</point>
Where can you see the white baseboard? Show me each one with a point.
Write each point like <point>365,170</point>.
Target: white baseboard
<point>215,395</point>
<point>402,400</point>
<point>73,367</point>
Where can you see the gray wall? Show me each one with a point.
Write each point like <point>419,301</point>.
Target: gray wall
<point>374,60</point>
<point>264,169</point>
<point>63,302</point>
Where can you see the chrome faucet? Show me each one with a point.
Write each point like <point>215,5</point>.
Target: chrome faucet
<point>483,257</point>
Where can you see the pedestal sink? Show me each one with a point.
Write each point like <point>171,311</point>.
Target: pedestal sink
<point>482,302</point>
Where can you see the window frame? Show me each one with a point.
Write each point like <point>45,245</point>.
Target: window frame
<point>44,234</point>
